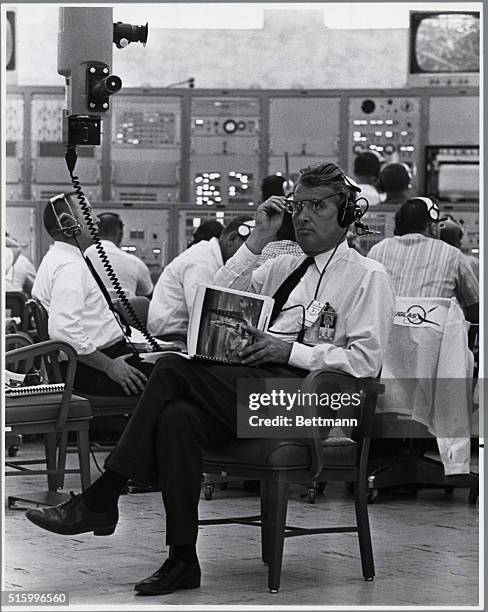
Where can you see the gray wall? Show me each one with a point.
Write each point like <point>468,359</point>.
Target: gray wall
<point>293,50</point>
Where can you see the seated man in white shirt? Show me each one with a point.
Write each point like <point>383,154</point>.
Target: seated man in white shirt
<point>19,271</point>
<point>175,289</point>
<point>191,405</point>
<point>78,312</point>
<point>367,167</point>
<point>132,272</point>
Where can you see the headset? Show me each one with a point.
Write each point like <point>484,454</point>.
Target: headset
<point>246,228</point>
<point>433,210</point>
<point>350,212</point>
<point>67,223</point>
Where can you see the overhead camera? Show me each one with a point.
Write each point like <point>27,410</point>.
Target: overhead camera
<point>124,34</point>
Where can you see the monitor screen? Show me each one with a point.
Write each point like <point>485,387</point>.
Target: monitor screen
<point>444,42</point>
<point>452,172</point>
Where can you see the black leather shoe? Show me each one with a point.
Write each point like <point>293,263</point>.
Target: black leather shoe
<point>73,517</point>
<point>171,576</point>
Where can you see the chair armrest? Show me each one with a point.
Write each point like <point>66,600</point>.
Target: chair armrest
<point>45,348</point>
<point>369,388</point>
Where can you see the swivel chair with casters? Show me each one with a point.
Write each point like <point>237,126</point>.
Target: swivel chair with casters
<point>53,414</point>
<point>276,463</point>
<point>427,373</point>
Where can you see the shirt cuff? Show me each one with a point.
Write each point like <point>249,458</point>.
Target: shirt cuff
<point>301,356</point>
<point>242,260</point>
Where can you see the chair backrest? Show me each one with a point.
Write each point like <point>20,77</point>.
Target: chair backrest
<point>428,366</point>
<point>15,301</point>
<point>18,340</point>
<point>41,320</point>
<point>140,305</point>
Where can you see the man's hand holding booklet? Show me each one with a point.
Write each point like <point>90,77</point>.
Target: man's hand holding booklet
<point>223,322</point>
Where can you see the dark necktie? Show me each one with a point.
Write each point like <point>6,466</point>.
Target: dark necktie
<point>287,286</point>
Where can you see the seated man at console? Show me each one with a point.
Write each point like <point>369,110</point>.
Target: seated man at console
<point>421,265</point>
<point>188,406</point>
<point>78,312</point>
<point>175,290</point>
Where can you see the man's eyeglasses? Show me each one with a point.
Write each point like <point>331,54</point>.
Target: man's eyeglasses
<point>295,207</point>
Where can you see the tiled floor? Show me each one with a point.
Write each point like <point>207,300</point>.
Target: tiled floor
<point>426,553</point>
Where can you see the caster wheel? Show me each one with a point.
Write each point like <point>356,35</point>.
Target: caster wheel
<point>320,488</point>
<point>369,579</point>
<point>12,451</point>
<point>223,486</point>
<point>449,490</point>
<point>473,496</point>
<point>311,496</point>
<point>372,495</point>
<point>208,492</point>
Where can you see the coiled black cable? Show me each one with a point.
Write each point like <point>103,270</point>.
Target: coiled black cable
<point>138,324</point>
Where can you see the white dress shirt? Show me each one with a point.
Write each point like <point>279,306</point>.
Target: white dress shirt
<point>78,312</point>
<point>357,289</point>
<point>18,272</point>
<point>175,290</point>
<point>370,193</point>
<point>131,271</point>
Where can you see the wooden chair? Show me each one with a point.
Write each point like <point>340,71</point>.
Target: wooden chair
<point>276,463</point>
<point>53,415</point>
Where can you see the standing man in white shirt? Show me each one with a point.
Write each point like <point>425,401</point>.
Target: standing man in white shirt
<point>132,272</point>
<point>191,405</point>
<point>78,312</point>
<point>175,289</point>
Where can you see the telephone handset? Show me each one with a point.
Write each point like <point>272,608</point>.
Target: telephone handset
<point>75,229</point>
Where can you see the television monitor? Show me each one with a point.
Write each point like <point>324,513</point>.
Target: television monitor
<point>444,48</point>
<point>452,173</point>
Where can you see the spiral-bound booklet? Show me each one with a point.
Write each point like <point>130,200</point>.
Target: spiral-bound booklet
<point>218,322</point>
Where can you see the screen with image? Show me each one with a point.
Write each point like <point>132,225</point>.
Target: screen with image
<point>444,42</point>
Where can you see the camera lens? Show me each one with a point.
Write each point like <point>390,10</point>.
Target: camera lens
<point>125,33</point>
<point>105,87</point>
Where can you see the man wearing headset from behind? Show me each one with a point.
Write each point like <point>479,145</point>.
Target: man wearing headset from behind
<point>420,265</point>
<point>190,405</point>
<point>77,310</point>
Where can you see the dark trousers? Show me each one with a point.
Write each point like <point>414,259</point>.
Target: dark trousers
<point>186,407</point>
<point>95,382</point>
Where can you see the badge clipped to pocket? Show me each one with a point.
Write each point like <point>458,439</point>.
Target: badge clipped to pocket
<point>327,323</point>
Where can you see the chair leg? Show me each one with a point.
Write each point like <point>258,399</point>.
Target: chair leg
<point>50,446</point>
<point>63,444</point>
<point>364,533</point>
<point>264,493</point>
<point>83,443</point>
<point>277,505</point>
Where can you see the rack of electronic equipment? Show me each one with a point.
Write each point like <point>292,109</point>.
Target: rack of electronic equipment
<point>171,159</point>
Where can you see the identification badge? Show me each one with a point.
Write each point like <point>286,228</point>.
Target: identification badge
<point>313,311</point>
<point>327,324</point>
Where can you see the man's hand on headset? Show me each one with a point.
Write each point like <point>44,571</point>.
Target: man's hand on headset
<point>129,378</point>
<point>265,349</point>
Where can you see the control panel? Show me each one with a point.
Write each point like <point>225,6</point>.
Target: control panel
<point>189,220</point>
<point>49,173</point>
<point>146,234</point>
<point>389,125</point>
<point>224,151</point>
<point>146,148</point>
<point>14,158</point>
<point>305,128</point>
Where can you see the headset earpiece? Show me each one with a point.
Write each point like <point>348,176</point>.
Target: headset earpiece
<point>433,210</point>
<point>69,225</point>
<point>350,211</point>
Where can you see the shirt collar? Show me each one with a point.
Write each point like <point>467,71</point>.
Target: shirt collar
<point>322,259</point>
<point>69,248</point>
<point>108,244</point>
<point>216,250</point>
